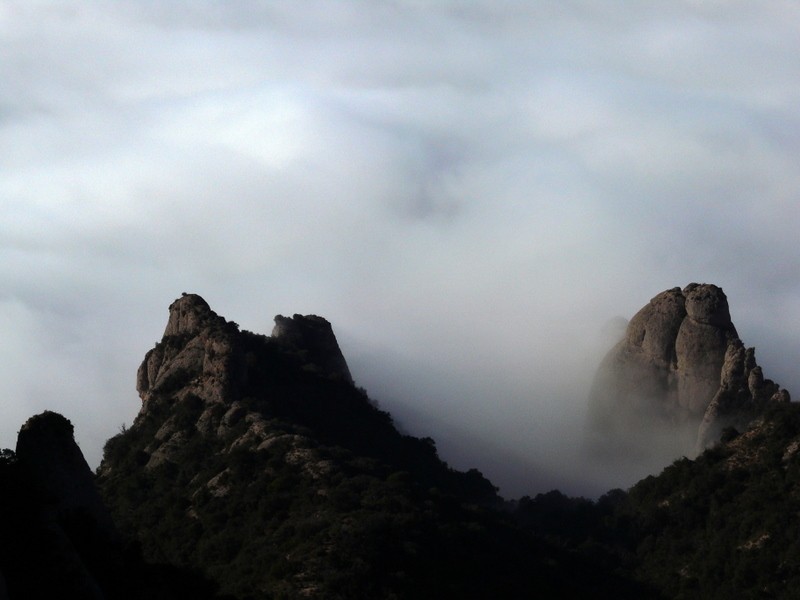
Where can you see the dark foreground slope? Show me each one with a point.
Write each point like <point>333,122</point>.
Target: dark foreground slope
<point>256,460</point>
<point>728,524</point>
<point>56,537</point>
<point>725,525</point>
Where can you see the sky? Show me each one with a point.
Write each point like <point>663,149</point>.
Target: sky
<point>469,191</point>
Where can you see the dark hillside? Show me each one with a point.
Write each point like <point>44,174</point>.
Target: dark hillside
<point>726,525</point>
<point>56,537</point>
<point>257,461</point>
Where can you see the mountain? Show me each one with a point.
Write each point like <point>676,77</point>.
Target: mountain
<point>57,538</point>
<point>677,379</point>
<point>256,460</point>
<point>256,469</point>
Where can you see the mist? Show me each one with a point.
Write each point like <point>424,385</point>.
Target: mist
<point>469,194</point>
<point>521,415</point>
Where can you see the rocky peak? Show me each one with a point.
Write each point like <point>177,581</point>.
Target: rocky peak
<point>47,432</point>
<point>47,451</point>
<point>313,337</point>
<point>707,303</point>
<point>680,375</point>
<point>205,361</point>
<point>240,434</point>
<point>701,345</point>
<point>188,315</point>
<point>197,354</point>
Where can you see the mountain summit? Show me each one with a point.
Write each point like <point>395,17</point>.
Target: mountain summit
<point>678,377</point>
<point>206,357</point>
<point>257,460</point>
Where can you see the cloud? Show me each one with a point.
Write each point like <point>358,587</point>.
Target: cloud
<point>468,192</point>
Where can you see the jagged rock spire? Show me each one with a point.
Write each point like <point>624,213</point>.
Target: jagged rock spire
<point>679,376</point>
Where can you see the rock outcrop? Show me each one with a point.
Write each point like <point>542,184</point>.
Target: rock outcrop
<point>197,355</point>
<point>57,470</point>
<point>53,519</point>
<point>678,377</point>
<point>743,392</point>
<point>203,355</point>
<point>313,338</point>
<point>205,361</point>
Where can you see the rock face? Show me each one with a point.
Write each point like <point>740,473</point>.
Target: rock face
<point>204,355</point>
<point>204,360</point>
<point>197,354</point>
<point>678,377</point>
<point>313,336</point>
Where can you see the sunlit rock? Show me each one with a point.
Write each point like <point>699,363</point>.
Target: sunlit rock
<point>676,380</point>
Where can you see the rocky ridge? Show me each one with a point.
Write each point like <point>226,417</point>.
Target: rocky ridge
<point>199,348</point>
<point>253,450</point>
<point>205,361</point>
<point>255,460</point>
<point>678,378</point>
<point>206,376</point>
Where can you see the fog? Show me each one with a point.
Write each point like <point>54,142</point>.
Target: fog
<point>469,193</point>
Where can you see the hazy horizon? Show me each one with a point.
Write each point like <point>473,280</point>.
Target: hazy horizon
<point>469,193</point>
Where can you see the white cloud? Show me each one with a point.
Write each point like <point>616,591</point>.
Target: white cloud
<point>470,190</point>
